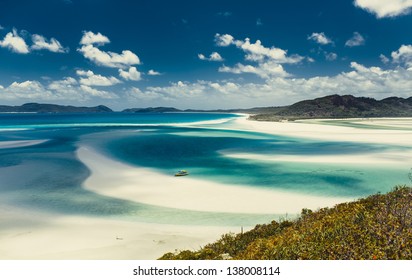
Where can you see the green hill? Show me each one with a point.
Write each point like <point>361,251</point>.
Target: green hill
<point>336,106</point>
<point>52,108</point>
<point>376,227</point>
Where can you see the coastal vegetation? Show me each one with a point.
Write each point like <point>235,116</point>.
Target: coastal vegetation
<point>376,227</point>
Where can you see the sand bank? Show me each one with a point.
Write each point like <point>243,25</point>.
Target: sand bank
<point>326,131</point>
<point>33,235</point>
<point>19,143</point>
<point>391,157</point>
<point>115,179</point>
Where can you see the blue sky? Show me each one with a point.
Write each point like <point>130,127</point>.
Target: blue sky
<point>202,54</point>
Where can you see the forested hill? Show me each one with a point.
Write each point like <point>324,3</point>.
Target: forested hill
<point>336,106</point>
<point>52,108</point>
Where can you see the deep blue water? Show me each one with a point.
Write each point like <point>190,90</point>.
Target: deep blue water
<point>49,177</point>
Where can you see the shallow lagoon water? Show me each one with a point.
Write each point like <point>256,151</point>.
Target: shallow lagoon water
<point>47,176</point>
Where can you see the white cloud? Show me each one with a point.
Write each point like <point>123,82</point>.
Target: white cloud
<point>153,73</point>
<point>385,8</point>
<point>66,90</point>
<point>263,70</point>
<point>259,22</point>
<point>256,51</point>
<point>214,56</point>
<point>109,59</point>
<point>15,43</point>
<point>331,56</point>
<point>320,38</point>
<point>132,74</point>
<point>88,78</point>
<point>356,40</point>
<point>1,27</point>
<point>40,43</point>
<point>268,60</point>
<point>67,83</point>
<point>30,85</point>
<point>361,80</point>
<point>223,40</point>
<point>97,93</point>
<point>103,58</point>
<point>136,93</point>
<point>403,55</point>
<point>27,90</point>
<point>90,38</point>
<point>384,59</point>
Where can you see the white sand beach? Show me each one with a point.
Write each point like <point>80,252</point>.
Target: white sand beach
<point>34,235</point>
<point>27,234</point>
<point>319,129</point>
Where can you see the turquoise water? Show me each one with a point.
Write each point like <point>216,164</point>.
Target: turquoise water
<point>49,177</point>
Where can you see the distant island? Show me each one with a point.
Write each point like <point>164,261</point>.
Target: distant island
<point>52,108</point>
<point>332,106</point>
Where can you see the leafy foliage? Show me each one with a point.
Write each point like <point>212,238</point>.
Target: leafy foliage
<point>376,227</point>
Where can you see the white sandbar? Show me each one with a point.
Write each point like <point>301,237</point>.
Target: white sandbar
<point>318,129</point>
<point>32,235</point>
<point>115,179</point>
<point>19,143</point>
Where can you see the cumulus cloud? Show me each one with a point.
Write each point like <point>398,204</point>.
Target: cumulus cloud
<point>224,40</point>
<point>263,70</point>
<point>214,56</point>
<point>97,93</point>
<point>153,73</point>
<point>65,90</point>
<point>267,61</point>
<point>403,55</point>
<point>132,74</point>
<point>382,9</point>
<point>360,81</point>
<point>320,38</point>
<point>109,59</point>
<point>90,38</point>
<point>256,51</point>
<point>68,83</point>
<point>88,78</point>
<point>41,43</point>
<point>15,43</point>
<point>384,59</point>
<point>278,89</point>
<point>356,40</point>
<point>103,58</point>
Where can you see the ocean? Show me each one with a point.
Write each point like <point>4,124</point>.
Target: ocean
<point>39,168</point>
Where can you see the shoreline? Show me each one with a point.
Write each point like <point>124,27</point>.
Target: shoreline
<point>316,131</point>
<point>32,235</point>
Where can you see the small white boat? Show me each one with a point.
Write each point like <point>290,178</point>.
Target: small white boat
<point>182,173</point>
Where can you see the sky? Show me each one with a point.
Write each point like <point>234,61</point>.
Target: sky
<point>202,54</point>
